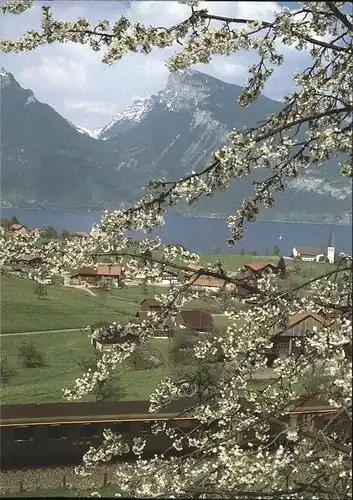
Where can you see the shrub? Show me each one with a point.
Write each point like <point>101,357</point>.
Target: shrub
<point>6,370</point>
<point>145,357</point>
<point>110,390</point>
<point>202,379</point>
<point>30,355</point>
<point>89,363</point>
<point>182,348</point>
<point>282,267</point>
<point>40,291</point>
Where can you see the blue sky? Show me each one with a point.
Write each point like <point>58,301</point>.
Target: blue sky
<point>71,78</point>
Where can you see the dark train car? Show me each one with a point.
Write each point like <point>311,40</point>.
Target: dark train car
<point>54,434</point>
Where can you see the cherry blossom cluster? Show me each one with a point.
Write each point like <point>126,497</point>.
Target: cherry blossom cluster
<point>247,442</point>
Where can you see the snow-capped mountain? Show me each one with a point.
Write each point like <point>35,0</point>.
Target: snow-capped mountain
<point>122,122</point>
<point>92,133</point>
<point>52,162</point>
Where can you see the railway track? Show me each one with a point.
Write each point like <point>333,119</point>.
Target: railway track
<point>59,434</point>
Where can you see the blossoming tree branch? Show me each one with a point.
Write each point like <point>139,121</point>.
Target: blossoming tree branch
<point>313,125</point>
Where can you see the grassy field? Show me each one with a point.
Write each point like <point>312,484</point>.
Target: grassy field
<point>62,351</point>
<point>64,307</point>
<point>233,262</point>
<point>67,308</point>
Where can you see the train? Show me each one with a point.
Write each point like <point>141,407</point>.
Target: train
<point>53,434</point>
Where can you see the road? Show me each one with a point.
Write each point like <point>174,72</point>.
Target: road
<point>58,331</point>
<point>38,333</point>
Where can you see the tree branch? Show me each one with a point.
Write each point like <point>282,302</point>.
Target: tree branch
<point>339,15</point>
<point>204,15</point>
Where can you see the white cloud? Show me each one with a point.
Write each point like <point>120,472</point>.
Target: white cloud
<point>58,71</point>
<point>71,78</point>
<point>92,106</point>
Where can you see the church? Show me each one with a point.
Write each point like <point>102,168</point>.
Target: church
<point>314,253</point>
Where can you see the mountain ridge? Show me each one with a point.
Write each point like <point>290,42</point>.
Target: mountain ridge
<point>166,134</point>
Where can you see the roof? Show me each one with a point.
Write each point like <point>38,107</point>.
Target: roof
<point>207,281</point>
<point>81,234</point>
<point>258,266</point>
<point>106,270</point>
<point>197,319</point>
<point>309,250</point>
<point>100,270</point>
<point>85,271</point>
<point>298,317</point>
<point>152,302</point>
<point>177,245</point>
<point>16,227</point>
<point>28,258</point>
<point>192,268</point>
<point>241,291</point>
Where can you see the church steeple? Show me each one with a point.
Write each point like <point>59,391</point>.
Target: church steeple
<point>331,241</point>
<point>331,247</point>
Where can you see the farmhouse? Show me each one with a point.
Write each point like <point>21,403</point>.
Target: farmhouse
<point>257,268</point>
<point>241,292</point>
<point>195,319</point>
<point>190,271</point>
<point>207,283</point>
<point>20,228</point>
<point>102,339</point>
<point>299,325</point>
<point>147,306</point>
<point>28,259</point>
<point>309,253</point>
<point>152,305</point>
<point>80,234</point>
<point>101,275</point>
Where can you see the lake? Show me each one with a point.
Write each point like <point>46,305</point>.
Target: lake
<point>202,234</point>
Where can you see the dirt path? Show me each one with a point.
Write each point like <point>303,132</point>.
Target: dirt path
<point>84,289</point>
<point>38,333</point>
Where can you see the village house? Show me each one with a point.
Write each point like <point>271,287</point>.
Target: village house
<point>152,305</point>
<point>257,268</point>
<point>191,270</point>
<point>80,234</point>
<point>192,319</point>
<point>28,260</point>
<point>241,292</point>
<point>195,319</point>
<point>299,325</point>
<point>147,306</point>
<point>101,275</point>
<point>309,253</point>
<point>208,283</point>
<point>103,340</point>
<point>20,228</point>
<point>168,277</point>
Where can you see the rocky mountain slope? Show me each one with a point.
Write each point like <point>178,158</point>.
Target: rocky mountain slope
<point>168,134</point>
<point>45,161</point>
<point>176,131</point>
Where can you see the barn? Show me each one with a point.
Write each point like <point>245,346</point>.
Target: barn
<point>300,325</point>
<point>195,319</point>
